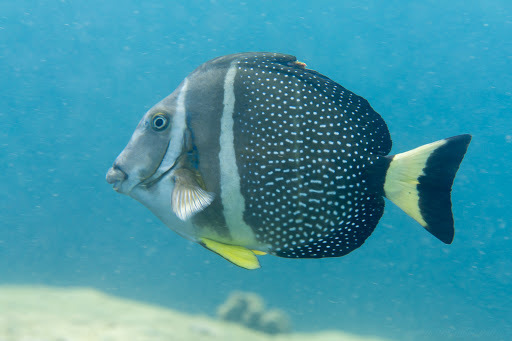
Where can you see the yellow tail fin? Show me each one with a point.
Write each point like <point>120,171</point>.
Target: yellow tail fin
<point>419,182</point>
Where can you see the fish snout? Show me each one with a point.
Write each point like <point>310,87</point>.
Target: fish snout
<point>116,176</point>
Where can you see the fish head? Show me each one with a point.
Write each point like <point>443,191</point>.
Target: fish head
<point>152,151</point>
<point>145,169</point>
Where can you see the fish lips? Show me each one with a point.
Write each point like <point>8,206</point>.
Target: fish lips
<point>117,177</point>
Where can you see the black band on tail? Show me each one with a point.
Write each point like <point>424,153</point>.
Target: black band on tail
<point>435,186</point>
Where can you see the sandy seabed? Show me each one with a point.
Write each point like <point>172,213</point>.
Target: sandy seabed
<point>78,314</point>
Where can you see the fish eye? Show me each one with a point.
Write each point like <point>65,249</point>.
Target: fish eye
<point>159,121</point>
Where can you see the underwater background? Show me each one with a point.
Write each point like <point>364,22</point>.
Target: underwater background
<point>77,76</point>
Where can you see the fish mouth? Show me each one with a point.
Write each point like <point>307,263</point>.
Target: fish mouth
<point>116,176</point>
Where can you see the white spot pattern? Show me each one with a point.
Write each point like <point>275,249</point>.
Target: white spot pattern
<point>303,143</point>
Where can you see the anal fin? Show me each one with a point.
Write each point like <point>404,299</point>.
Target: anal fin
<point>237,255</point>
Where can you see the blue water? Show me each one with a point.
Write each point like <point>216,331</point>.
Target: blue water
<point>75,78</point>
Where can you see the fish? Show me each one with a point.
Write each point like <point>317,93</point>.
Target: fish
<point>254,154</point>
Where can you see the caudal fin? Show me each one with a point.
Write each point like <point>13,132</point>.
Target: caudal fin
<point>420,182</point>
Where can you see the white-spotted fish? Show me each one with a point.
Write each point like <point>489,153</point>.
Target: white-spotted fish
<point>263,155</point>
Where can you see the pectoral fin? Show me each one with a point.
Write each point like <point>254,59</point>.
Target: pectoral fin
<point>237,255</point>
<point>189,195</point>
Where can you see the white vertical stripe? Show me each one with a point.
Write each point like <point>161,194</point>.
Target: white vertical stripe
<point>179,124</point>
<point>232,199</point>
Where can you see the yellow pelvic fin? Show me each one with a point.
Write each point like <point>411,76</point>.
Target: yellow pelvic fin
<point>237,255</point>
<point>259,253</point>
